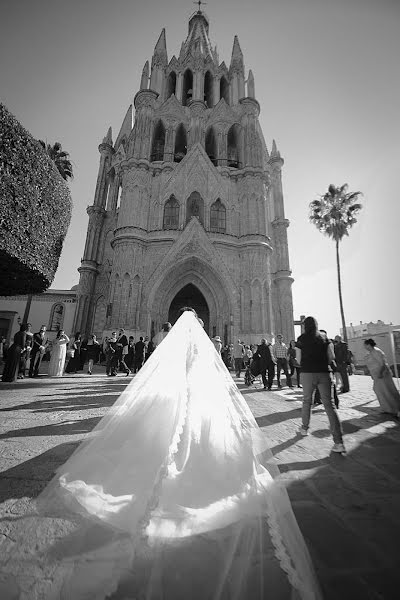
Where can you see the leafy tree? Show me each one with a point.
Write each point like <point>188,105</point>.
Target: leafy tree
<point>60,158</point>
<point>334,213</point>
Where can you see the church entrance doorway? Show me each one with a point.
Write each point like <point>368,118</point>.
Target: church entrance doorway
<point>191,296</point>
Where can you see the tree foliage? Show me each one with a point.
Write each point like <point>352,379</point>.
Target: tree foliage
<point>334,214</point>
<point>60,158</point>
<point>35,211</point>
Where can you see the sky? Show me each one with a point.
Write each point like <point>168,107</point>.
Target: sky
<point>327,80</point>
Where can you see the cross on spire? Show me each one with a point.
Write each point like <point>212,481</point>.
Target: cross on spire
<point>199,2</point>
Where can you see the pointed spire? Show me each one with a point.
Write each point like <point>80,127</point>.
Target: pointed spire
<point>237,64</point>
<point>161,45</point>
<point>275,152</point>
<point>236,50</point>
<point>251,92</point>
<point>108,137</point>
<point>144,82</point>
<point>126,127</point>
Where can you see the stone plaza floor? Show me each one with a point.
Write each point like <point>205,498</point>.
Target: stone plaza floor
<point>348,507</point>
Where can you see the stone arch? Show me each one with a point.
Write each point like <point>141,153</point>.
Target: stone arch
<point>158,143</point>
<point>215,288</point>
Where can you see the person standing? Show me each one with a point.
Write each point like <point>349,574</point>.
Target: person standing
<point>280,351</point>
<point>342,362</point>
<point>140,348</point>
<point>315,353</point>
<point>265,360</point>
<point>93,352</point>
<point>122,351</point>
<point>74,347</point>
<point>130,357</point>
<point>38,349</point>
<point>238,357</point>
<point>11,368</point>
<point>58,354</point>
<point>25,354</point>
<point>110,347</point>
<point>217,344</point>
<point>384,388</point>
<point>293,364</point>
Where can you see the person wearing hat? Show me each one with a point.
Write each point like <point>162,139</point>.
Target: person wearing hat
<point>217,343</point>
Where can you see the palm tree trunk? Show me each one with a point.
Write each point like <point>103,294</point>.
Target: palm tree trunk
<point>340,292</point>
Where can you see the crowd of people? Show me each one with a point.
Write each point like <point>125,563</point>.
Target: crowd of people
<point>121,353</point>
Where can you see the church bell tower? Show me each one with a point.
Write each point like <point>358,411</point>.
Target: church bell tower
<point>188,207</point>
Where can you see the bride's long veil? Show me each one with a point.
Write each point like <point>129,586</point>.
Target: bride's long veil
<point>173,496</point>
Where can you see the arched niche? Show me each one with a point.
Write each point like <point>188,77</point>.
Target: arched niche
<point>224,89</point>
<point>211,145</point>
<point>233,147</point>
<point>158,144</point>
<point>56,317</point>
<point>195,207</point>
<point>208,89</point>
<point>180,148</point>
<point>187,90</point>
<point>171,85</point>
<point>190,295</point>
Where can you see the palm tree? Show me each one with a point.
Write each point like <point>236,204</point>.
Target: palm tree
<point>334,214</point>
<point>60,158</point>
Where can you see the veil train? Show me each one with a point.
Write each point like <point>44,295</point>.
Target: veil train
<point>172,497</point>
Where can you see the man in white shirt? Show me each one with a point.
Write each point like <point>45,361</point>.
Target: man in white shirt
<point>280,351</point>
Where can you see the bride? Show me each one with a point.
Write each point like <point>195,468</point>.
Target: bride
<point>172,497</point>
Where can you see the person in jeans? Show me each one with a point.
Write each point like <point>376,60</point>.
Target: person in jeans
<point>280,351</point>
<point>238,357</point>
<point>266,363</point>
<point>315,353</point>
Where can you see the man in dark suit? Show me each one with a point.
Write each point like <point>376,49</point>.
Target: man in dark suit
<point>140,349</point>
<point>342,361</point>
<point>265,363</point>
<point>38,348</point>
<point>122,351</point>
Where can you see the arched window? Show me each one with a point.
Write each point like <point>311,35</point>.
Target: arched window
<point>171,84</point>
<point>224,89</point>
<point>171,214</point>
<point>180,143</point>
<point>117,206</point>
<point>187,92</point>
<point>195,207</point>
<point>233,147</point>
<point>208,89</point>
<point>218,217</point>
<point>157,147</point>
<point>56,317</point>
<point>211,146</point>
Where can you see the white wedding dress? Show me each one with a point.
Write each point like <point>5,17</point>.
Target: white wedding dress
<point>168,499</point>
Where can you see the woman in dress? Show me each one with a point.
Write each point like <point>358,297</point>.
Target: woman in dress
<point>93,352</point>
<point>14,352</point>
<point>168,498</point>
<point>58,355</point>
<point>74,347</point>
<point>384,388</point>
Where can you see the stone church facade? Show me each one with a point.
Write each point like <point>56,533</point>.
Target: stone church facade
<point>188,207</point>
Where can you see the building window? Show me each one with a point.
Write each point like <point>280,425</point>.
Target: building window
<point>208,89</point>
<point>171,214</point>
<point>211,146</point>
<point>218,217</point>
<point>171,84</point>
<point>56,317</point>
<point>187,92</point>
<point>157,147</point>
<point>180,143</point>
